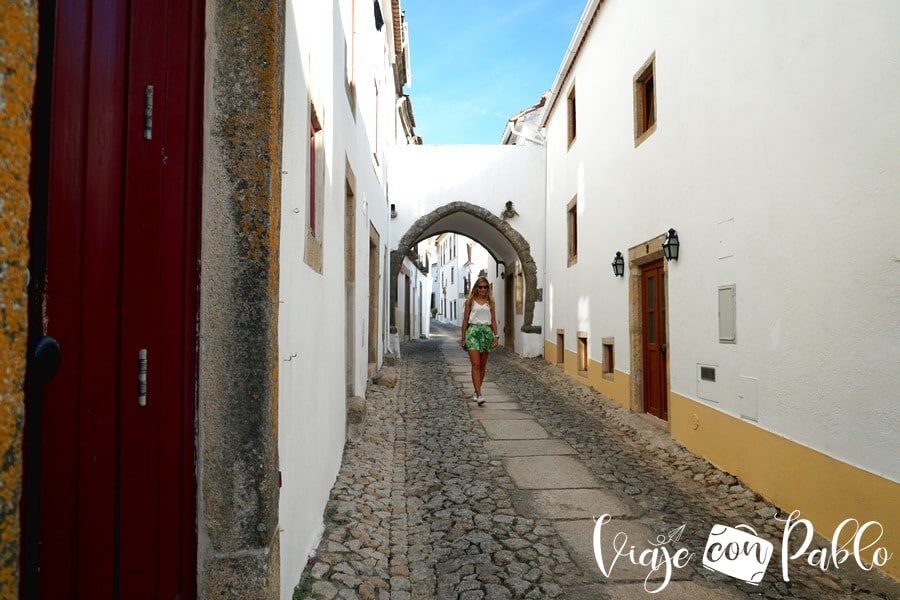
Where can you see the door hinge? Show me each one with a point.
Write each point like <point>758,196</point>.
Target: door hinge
<point>142,377</point>
<point>148,112</point>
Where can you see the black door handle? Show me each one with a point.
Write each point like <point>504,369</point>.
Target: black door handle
<point>45,358</point>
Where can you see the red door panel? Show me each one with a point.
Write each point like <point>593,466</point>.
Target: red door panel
<point>116,502</point>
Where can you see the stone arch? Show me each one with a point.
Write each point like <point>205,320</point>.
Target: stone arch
<point>518,242</point>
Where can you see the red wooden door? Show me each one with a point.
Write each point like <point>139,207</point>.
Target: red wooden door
<point>110,499</point>
<point>653,296</point>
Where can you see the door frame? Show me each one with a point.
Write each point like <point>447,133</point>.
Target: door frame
<point>509,313</point>
<point>638,256</point>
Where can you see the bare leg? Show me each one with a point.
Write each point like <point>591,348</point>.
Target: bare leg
<point>482,368</point>
<point>477,377</point>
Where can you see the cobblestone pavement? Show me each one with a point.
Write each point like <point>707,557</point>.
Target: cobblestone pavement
<point>442,499</point>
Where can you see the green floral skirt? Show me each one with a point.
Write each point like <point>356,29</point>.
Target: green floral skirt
<point>480,337</point>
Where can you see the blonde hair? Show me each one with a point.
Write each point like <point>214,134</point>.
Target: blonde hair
<point>489,293</point>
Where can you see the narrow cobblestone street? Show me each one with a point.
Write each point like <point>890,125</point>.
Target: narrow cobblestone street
<point>440,498</point>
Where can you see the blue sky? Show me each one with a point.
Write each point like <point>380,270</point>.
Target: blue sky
<point>475,63</point>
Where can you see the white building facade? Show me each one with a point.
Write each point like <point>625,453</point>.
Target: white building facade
<point>414,287</point>
<point>460,260</point>
<point>344,105</point>
<point>765,136</point>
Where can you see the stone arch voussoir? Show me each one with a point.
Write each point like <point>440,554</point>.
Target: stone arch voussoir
<point>519,243</point>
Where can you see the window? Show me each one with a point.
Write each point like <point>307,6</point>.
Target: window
<point>377,148</point>
<point>645,101</point>
<point>573,124</point>
<point>583,353</point>
<point>560,346</point>
<point>315,191</point>
<point>572,231</point>
<point>314,128</point>
<point>452,274</point>
<point>609,357</point>
<point>727,315</point>
<point>350,61</point>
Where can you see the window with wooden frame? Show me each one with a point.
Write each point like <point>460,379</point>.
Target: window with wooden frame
<point>609,358</point>
<point>645,101</point>
<point>350,62</point>
<point>572,231</point>
<point>573,121</point>
<point>583,360</point>
<point>315,191</point>
<point>560,346</point>
<point>314,129</point>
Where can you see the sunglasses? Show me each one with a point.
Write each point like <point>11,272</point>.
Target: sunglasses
<point>481,287</point>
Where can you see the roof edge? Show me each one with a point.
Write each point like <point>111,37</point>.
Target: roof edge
<point>584,25</point>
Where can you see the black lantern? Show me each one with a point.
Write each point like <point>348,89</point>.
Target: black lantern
<point>671,245</point>
<point>618,265</point>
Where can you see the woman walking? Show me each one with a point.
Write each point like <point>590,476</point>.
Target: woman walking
<point>479,332</point>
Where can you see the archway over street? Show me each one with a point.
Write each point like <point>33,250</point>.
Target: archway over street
<point>495,234</point>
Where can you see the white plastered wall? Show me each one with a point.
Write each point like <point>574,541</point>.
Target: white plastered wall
<point>775,160</point>
<point>312,392</point>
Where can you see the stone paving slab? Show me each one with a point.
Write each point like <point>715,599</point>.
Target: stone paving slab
<point>547,447</point>
<point>488,396</point>
<point>674,590</point>
<point>548,472</point>
<point>572,504</point>
<point>497,398</point>
<point>514,429</point>
<point>578,536</point>
<point>489,391</point>
<point>499,405</point>
<point>488,412</point>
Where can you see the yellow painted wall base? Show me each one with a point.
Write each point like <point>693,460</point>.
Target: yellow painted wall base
<point>617,389</point>
<point>790,475</point>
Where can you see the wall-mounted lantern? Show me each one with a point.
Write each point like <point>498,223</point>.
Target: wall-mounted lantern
<point>671,245</point>
<point>393,211</point>
<point>618,265</point>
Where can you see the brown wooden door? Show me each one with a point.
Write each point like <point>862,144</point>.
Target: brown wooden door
<point>109,508</point>
<point>653,294</point>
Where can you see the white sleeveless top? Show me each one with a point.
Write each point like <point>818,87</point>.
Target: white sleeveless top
<point>480,314</point>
